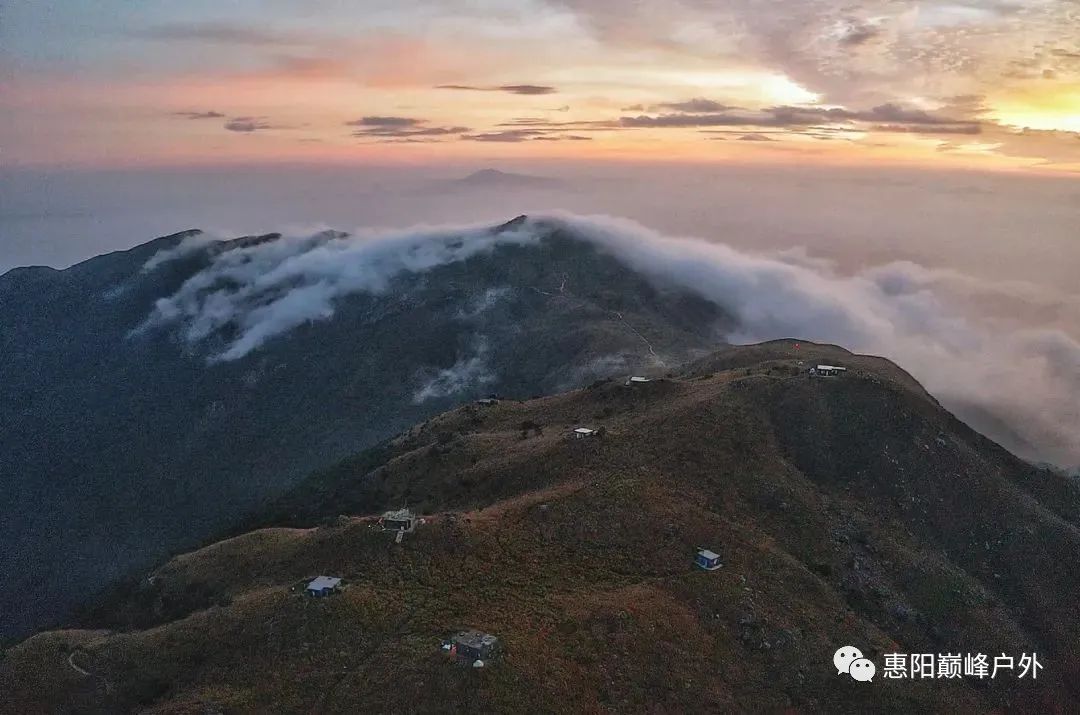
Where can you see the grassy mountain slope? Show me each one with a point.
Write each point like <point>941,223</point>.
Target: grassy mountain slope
<point>118,448</point>
<point>847,511</point>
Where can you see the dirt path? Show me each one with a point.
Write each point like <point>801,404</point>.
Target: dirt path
<point>636,332</point>
<point>86,673</point>
<point>75,667</point>
<point>526,500</point>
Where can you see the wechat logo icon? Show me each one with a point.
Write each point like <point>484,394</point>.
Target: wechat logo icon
<point>850,660</point>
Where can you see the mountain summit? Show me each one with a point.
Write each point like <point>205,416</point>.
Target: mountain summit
<point>847,510</point>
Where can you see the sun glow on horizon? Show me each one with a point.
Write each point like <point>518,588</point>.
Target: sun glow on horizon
<point>1065,121</point>
<point>547,78</point>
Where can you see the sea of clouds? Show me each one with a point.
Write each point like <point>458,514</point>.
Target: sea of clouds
<point>923,318</point>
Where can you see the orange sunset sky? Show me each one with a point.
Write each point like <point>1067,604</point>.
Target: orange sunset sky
<point>952,83</point>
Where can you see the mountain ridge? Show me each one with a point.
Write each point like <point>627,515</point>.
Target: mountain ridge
<point>847,511</point>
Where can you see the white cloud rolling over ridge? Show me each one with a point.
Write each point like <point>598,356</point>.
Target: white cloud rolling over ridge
<point>270,288</point>
<point>1026,376</point>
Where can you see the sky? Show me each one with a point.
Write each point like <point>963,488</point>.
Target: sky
<point>972,84</point>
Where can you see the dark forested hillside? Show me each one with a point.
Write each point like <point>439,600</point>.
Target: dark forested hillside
<point>121,442</point>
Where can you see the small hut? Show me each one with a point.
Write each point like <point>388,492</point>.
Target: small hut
<point>707,560</point>
<point>583,432</point>
<point>402,521</point>
<point>323,586</point>
<point>636,380</point>
<point>827,371</point>
<point>473,645</point>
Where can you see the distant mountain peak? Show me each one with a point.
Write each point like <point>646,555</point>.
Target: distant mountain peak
<point>496,177</point>
<point>488,174</point>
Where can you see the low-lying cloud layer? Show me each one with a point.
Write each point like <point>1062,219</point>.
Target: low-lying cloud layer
<point>468,373</point>
<point>263,290</point>
<point>1028,377</point>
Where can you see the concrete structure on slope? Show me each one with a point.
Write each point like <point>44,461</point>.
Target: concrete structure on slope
<point>473,645</point>
<point>707,560</point>
<point>323,586</point>
<point>402,521</point>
